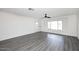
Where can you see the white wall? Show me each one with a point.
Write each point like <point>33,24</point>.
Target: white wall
<point>69,25</point>
<point>13,25</point>
<point>78,26</point>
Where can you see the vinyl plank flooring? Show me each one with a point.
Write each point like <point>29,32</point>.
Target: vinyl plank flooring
<point>40,41</point>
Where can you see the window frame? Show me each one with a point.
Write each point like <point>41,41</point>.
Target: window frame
<point>50,22</point>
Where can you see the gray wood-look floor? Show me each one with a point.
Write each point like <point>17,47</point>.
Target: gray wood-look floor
<point>40,41</point>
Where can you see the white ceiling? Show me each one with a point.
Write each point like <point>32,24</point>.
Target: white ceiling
<point>39,12</point>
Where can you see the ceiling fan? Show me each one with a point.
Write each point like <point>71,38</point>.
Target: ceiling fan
<point>46,16</point>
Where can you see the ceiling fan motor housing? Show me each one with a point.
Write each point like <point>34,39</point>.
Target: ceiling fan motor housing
<point>45,15</point>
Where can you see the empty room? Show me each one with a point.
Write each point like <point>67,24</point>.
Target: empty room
<point>39,29</point>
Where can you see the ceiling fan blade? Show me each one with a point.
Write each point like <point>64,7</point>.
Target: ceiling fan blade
<point>48,17</point>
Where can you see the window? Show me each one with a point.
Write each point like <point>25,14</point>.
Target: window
<point>59,25</point>
<point>55,25</point>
